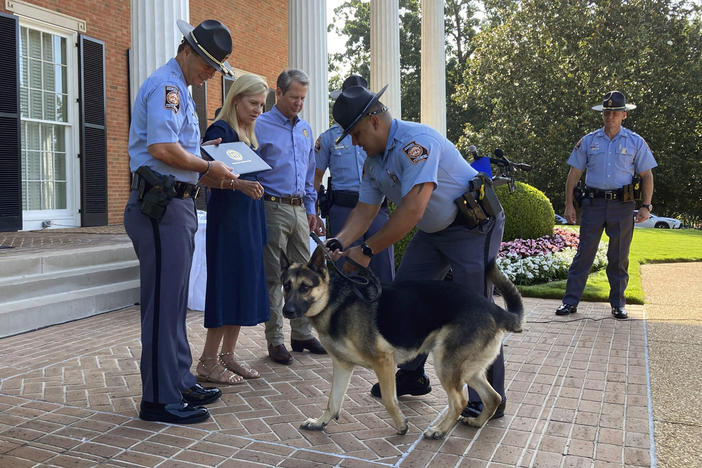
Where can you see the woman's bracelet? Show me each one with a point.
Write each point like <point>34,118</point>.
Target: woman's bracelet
<point>209,166</point>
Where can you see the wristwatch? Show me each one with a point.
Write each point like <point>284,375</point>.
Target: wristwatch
<point>647,206</point>
<point>367,251</point>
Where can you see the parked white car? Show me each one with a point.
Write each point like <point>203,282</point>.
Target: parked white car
<point>659,222</point>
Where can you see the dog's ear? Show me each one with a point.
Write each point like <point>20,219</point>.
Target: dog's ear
<point>317,260</point>
<point>284,262</point>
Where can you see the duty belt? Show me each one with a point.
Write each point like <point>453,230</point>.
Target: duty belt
<point>606,194</point>
<point>183,189</point>
<point>295,201</point>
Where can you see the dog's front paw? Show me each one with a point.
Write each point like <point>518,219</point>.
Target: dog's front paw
<point>433,433</point>
<point>402,430</point>
<point>313,425</point>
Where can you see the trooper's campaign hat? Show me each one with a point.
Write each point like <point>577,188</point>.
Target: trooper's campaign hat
<point>212,41</point>
<point>614,100</point>
<point>352,105</point>
<point>353,80</point>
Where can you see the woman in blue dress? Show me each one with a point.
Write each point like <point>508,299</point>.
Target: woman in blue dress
<point>236,235</point>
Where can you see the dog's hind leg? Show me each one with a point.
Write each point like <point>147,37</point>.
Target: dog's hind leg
<point>490,398</point>
<point>341,376</point>
<point>451,380</point>
<point>385,370</point>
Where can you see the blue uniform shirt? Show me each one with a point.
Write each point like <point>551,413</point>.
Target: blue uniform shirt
<point>344,160</point>
<point>610,164</point>
<point>164,112</point>
<point>416,154</point>
<point>288,148</point>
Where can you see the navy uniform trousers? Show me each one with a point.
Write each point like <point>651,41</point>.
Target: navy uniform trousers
<point>382,263</point>
<point>616,218</point>
<point>467,252</point>
<point>165,252</point>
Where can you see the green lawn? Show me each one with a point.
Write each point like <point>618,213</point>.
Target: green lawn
<point>648,246</point>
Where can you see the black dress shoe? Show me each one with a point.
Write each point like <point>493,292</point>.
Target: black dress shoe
<point>176,413</point>
<point>279,354</point>
<point>407,383</point>
<point>199,395</point>
<point>619,312</point>
<point>313,345</point>
<point>474,408</point>
<point>566,309</point>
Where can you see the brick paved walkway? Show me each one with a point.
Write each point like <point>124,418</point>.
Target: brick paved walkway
<point>577,396</point>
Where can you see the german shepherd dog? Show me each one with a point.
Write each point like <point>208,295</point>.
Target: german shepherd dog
<point>461,329</point>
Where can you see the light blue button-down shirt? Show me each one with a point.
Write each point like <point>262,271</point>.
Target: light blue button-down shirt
<point>164,112</point>
<point>415,154</point>
<point>610,164</point>
<point>344,160</point>
<point>288,147</point>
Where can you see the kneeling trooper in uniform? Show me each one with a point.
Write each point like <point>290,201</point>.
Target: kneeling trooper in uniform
<point>422,172</point>
<point>160,219</point>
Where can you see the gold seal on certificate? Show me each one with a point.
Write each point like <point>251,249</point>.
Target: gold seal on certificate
<point>236,155</point>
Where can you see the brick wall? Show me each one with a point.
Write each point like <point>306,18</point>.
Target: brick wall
<point>260,32</point>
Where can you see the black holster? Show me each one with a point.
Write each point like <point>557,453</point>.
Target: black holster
<point>323,201</point>
<point>479,204</point>
<point>579,194</point>
<point>155,192</point>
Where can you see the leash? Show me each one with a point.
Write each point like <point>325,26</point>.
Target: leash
<point>358,283</point>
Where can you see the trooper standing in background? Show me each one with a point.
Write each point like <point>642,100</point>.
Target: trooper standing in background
<point>160,217</point>
<point>345,162</point>
<point>611,156</point>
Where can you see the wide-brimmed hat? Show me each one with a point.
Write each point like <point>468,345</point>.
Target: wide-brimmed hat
<point>212,41</point>
<point>352,105</point>
<point>353,80</point>
<point>614,100</point>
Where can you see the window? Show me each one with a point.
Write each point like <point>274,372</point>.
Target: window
<point>45,120</point>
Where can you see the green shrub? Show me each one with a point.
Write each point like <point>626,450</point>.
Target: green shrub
<point>528,212</point>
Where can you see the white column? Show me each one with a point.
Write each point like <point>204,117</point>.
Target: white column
<point>307,43</point>
<point>433,94</point>
<point>155,36</point>
<point>385,52</point>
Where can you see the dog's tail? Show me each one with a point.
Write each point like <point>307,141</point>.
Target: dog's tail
<point>511,321</point>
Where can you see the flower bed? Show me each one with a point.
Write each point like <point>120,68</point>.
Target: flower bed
<point>530,261</point>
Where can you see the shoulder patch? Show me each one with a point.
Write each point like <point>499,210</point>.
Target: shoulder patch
<point>415,152</point>
<point>577,145</point>
<point>172,100</point>
<point>318,144</point>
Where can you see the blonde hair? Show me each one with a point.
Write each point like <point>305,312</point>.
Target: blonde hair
<point>246,85</point>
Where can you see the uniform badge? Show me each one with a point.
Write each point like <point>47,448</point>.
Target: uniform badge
<point>172,101</point>
<point>317,145</point>
<point>415,152</point>
<point>577,145</point>
<point>305,132</point>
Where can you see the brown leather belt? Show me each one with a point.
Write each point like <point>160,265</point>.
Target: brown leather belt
<point>296,201</point>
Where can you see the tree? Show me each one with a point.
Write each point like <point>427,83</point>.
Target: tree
<point>352,19</point>
<point>538,67</point>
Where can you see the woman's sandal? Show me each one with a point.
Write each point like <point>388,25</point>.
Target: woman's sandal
<point>240,369</point>
<point>217,373</point>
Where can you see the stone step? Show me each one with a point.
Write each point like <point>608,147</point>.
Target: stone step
<point>22,264</point>
<point>51,309</point>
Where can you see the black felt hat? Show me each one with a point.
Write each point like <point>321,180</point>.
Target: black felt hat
<point>353,80</point>
<point>352,105</point>
<point>614,100</point>
<point>212,41</point>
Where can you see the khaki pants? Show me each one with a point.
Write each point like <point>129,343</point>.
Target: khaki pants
<point>288,232</point>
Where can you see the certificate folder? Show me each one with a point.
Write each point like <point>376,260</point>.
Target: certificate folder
<point>238,156</point>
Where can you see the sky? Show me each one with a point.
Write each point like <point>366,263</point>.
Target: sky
<point>334,43</point>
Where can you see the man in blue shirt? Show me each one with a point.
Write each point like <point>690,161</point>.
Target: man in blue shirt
<point>164,157</point>
<point>422,172</point>
<point>286,143</point>
<point>345,162</point>
<point>611,156</point>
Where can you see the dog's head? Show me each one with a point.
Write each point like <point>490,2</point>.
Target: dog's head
<point>305,287</point>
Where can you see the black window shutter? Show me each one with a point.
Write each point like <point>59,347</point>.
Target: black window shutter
<point>10,146</point>
<point>93,132</point>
